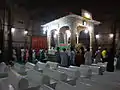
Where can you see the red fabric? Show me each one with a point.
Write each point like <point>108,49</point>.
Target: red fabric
<point>39,43</point>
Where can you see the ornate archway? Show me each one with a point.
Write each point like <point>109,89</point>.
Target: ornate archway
<point>73,25</point>
<point>64,34</point>
<point>84,38</point>
<point>53,38</point>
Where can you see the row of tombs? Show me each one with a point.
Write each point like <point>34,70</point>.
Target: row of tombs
<point>51,76</point>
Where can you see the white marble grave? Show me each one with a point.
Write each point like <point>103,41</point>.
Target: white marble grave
<point>4,85</point>
<point>40,66</point>
<point>70,72</point>
<point>4,76</point>
<point>19,68</point>
<point>17,81</point>
<point>3,70</point>
<point>36,78</point>
<point>56,75</point>
<point>85,71</point>
<point>29,66</point>
<point>2,67</point>
<point>95,69</point>
<point>103,65</point>
<point>53,65</point>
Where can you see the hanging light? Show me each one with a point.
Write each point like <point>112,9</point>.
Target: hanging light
<point>111,35</point>
<point>86,31</point>
<point>25,32</point>
<point>87,15</point>
<point>12,30</point>
<point>97,36</point>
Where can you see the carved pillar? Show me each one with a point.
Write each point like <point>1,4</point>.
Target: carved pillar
<point>49,39</point>
<point>58,39</point>
<point>92,38</point>
<point>73,28</point>
<point>65,38</point>
<point>77,37</point>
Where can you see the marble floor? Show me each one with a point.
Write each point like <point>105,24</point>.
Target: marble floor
<point>109,79</point>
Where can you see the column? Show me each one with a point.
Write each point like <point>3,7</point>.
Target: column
<point>92,38</point>
<point>58,36</point>
<point>73,28</point>
<point>58,39</point>
<point>49,39</point>
<point>65,38</point>
<point>77,38</point>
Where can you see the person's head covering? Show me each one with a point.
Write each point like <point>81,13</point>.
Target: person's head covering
<point>72,49</point>
<point>88,49</point>
<point>58,48</point>
<point>64,49</point>
<point>99,48</point>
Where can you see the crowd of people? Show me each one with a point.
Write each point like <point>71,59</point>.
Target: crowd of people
<point>67,57</point>
<point>86,57</point>
<point>25,55</point>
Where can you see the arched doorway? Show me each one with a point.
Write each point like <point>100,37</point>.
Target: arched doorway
<point>64,35</point>
<point>84,38</point>
<point>54,37</point>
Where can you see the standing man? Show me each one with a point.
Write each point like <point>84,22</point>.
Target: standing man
<point>98,55</point>
<point>118,59</point>
<point>110,64</point>
<point>82,55</point>
<point>72,56</point>
<point>88,57</point>
<point>104,55</point>
<point>64,58</point>
<point>57,54</point>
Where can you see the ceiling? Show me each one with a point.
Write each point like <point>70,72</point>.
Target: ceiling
<point>47,10</point>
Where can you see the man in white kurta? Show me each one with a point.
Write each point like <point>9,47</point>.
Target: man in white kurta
<point>64,58</point>
<point>88,57</point>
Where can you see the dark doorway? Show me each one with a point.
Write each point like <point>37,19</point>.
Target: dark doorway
<point>84,38</point>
